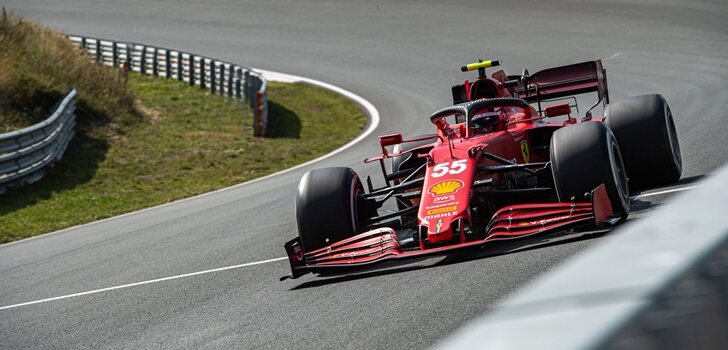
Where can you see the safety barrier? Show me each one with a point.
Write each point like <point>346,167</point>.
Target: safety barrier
<point>26,153</point>
<point>660,282</point>
<point>219,77</point>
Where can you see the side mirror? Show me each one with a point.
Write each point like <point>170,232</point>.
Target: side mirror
<point>390,140</point>
<point>557,110</point>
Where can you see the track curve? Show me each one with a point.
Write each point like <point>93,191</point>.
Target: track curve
<point>400,55</point>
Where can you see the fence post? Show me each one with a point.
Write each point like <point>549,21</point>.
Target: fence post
<point>247,87</point>
<point>114,55</point>
<point>260,111</point>
<point>179,66</point>
<point>191,64</point>
<point>203,82</point>
<point>222,78</point>
<point>83,44</point>
<point>212,77</point>
<point>129,61</point>
<point>238,83</point>
<point>98,51</point>
<point>143,61</point>
<point>231,71</point>
<point>168,67</point>
<point>155,63</point>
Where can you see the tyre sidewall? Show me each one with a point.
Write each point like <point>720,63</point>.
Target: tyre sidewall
<point>326,206</point>
<point>645,130</point>
<point>585,155</point>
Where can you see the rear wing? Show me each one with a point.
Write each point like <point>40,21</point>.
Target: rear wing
<point>569,80</point>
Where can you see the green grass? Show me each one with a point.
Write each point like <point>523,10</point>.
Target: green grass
<point>188,142</point>
<point>144,141</point>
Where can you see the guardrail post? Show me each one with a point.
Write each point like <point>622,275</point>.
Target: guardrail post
<point>143,61</point>
<point>203,82</point>
<point>114,55</point>
<point>128,57</point>
<point>191,69</point>
<point>238,83</point>
<point>259,115</point>
<point>98,51</point>
<point>248,87</point>
<point>221,78</point>
<point>155,62</point>
<point>179,66</point>
<point>168,67</point>
<point>231,71</point>
<point>83,44</point>
<point>212,77</point>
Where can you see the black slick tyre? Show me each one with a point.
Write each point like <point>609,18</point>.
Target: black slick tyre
<point>327,206</point>
<point>645,131</point>
<point>585,155</point>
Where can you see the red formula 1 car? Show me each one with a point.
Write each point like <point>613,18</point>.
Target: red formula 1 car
<point>497,168</point>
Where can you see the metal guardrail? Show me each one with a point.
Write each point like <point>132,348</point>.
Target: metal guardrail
<point>26,153</point>
<point>219,77</point>
<point>660,282</point>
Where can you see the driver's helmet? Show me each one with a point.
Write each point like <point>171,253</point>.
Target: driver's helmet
<point>485,121</point>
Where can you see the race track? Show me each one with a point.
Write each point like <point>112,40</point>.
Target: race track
<point>403,56</point>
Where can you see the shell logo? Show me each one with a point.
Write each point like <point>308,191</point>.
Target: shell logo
<point>445,187</point>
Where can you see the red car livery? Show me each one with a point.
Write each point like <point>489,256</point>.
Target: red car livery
<point>509,159</point>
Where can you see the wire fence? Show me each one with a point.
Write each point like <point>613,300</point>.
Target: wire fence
<point>219,77</point>
<point>25,154</point>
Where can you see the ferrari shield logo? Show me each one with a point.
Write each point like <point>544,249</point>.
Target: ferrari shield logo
<point>524,151</point>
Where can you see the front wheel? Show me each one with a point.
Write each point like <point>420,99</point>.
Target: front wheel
<point>645,130</point>
<point>584,156</point>
<point>327,206</point>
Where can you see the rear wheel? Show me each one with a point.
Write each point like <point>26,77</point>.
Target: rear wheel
<point>645,130</point>
<point>584,156</point>
<point>327,209</point>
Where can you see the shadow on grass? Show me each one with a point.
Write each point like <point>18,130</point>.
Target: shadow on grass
<point>27,105</point>
<point>78,166</point>
<point>282,122</point>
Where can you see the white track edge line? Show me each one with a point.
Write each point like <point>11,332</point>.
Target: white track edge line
<point>141,283</point>
<point>677,189</point>
<point>373,123</point>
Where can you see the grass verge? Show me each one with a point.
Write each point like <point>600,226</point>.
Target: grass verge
<point>187,142</point>
<point>38,66</point>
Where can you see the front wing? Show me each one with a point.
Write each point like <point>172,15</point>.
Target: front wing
<point>512,222</point>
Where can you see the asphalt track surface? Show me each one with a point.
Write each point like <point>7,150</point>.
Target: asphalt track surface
<point>400,55</point>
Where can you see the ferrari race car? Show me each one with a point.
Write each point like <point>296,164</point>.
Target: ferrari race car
<point>507,161</point>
